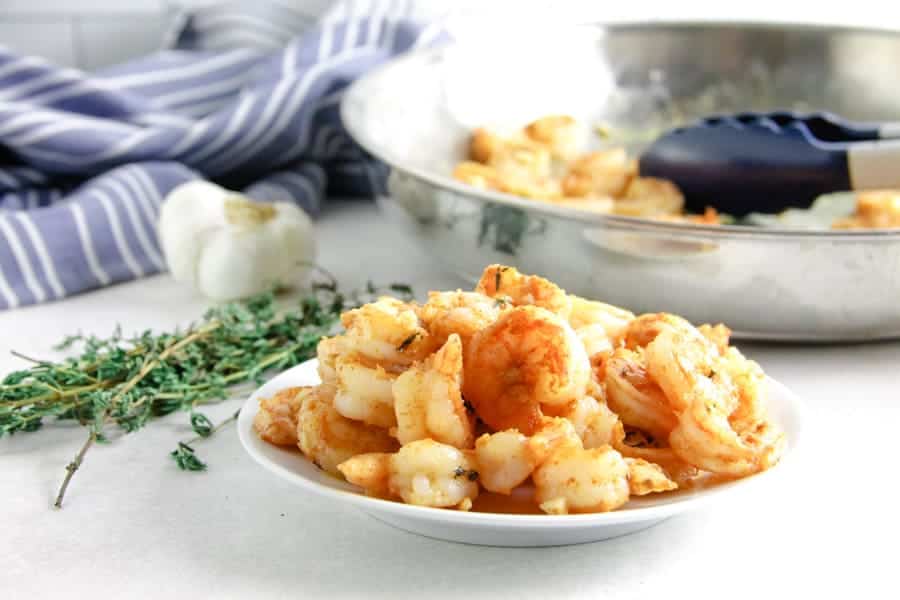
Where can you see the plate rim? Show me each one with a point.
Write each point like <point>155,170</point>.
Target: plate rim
<point>252,444</point>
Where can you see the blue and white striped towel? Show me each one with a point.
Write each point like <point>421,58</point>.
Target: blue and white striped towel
<point>247,95</point>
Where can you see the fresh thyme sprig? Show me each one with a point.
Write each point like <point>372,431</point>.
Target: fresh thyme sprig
<point>129,381</point>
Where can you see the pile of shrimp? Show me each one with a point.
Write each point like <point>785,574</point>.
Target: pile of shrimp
<point>518,384</point>
<point>544,161</point>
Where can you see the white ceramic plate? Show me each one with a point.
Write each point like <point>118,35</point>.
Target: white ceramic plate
<point>501,529</point>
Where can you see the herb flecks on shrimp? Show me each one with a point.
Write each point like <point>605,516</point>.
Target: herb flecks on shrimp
<point>518,384</point>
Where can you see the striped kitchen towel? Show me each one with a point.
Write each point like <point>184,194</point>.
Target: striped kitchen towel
<point>246,95</point>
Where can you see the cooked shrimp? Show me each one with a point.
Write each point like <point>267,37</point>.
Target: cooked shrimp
<point>370,471</point>
<point>328,438</point>
<point>553,433</point>
<point>878,209</point>
<point>644,328</point>
<point>364,392</point>
<point>504,460</point>
<point>526,358</point>
<point>635,397</point>
<point>751,385</point>
<point>498,281</point>
<point>575,480</point>
<point>590,312</point>
<point>484,144</point>
<point>276,421</point>
<point>462,313</point>
<point>646,478</point>
<point>477,175</point>
<point>428,401</point>
<point>650,197</point>
<point>710,443</point>
<point>600,326</point>
<point>560,134</point>
<point>521,159</point>
<point>387,330</point>
<point>704,395</point>
<point>327,352</point>
<point>428,473</point>
<point>718,334</point>
<point>594,422</point>
<point>600,173</point>
<point>680,363</point>
<point>676,469</point>
<point>515,166</point>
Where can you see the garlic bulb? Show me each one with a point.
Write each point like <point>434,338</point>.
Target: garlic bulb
<point>229,247</point>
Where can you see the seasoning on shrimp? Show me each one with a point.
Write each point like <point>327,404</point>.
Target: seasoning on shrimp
<point>519,388</point>
<point>527,358</point>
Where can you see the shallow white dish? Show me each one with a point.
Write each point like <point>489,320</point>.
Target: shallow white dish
<point>501,529</point>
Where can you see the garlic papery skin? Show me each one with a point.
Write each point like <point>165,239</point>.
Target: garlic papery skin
<point>229,247</point>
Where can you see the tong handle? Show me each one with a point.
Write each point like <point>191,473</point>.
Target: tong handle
<point>822,126</point>
<point>766,162</point>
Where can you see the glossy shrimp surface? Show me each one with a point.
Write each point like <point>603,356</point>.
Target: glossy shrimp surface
<point>644,328</point>
<point>429,402</point>
<point>328,438</point>
<point>576,480</point>
<point>276,421</point>
<point>460,313</point>
<point>527,358</point>
<point>599,326</point>
<point>428,473</point>
<point>364,391</point>
<point>388,331</point>
<point>424,472</point>
<point>705,392</point>
<point>504,460</point>
<point>508,284</point>
<point>328,351</point>
<point>635,396</point>
<point>525,391</point>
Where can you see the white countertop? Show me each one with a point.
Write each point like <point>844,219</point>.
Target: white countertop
<point>134,526</point>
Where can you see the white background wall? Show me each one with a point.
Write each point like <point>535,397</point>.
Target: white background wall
<point>92,33</point>
<point>84,33</point>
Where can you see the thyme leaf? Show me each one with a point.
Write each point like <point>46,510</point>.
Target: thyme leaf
<point>201,424</point>
<point>405,343</point>
<point>127,381</point>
